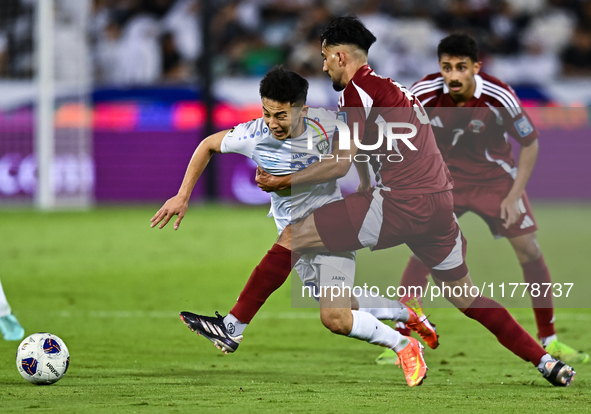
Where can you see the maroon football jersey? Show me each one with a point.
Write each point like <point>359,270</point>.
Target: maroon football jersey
<point>473,139</point>
<point>372,101</point>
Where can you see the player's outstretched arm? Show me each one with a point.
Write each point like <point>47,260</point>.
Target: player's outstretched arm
<point>327,169</point>
<point>510,211</point>
<point>177,205</point>
<point>364,176</point>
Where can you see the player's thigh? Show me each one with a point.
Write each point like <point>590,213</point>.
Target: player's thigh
<point>336,277</point>
<point>339,223</point>
<point>307,273</point>
<point>304,236</point>
<point>442,246</point>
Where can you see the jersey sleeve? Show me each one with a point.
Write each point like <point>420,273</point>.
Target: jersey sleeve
<point>522,128</point>
<point>517,123</point>
<point>243,138</point>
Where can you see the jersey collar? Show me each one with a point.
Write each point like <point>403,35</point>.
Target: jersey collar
<point>478,90</point>
<point>362,71</point>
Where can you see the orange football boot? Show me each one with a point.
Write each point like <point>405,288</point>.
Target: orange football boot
<point>412,362</point>
<point>418,322</point>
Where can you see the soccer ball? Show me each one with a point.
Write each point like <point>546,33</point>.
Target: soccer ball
<point>42,358</point>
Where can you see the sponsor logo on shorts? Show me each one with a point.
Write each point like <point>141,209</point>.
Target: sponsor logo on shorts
<point>436,122</point>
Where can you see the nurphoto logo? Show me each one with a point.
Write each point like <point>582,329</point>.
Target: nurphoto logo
<point>385,129</point>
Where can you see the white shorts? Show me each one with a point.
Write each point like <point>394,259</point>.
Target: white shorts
<point>327,269</point>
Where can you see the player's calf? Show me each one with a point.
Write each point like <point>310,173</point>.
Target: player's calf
<point>335,314</point>
<point>338,321</point>
<point>462,300</point>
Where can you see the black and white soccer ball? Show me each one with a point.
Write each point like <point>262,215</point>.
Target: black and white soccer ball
<point>42,358</point>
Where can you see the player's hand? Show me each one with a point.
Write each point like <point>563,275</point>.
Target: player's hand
<point>175,206</point>
<point>270,183</point>
<point>510,211</point>
<point>363,186</point>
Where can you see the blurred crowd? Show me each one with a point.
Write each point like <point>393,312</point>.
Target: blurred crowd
<point>160,41</point>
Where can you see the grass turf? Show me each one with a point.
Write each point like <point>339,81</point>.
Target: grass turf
<point>111,288</point>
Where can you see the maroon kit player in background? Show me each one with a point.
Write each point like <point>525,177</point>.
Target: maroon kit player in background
<point>412,202</point>
<point>472,113</point>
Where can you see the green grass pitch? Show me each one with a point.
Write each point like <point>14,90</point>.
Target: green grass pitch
<point>112,288</point>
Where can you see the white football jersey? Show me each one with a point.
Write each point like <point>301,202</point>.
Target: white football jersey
<point>254,140</point>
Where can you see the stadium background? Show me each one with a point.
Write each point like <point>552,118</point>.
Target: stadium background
<point>132,84</point>
<point>135,86</point>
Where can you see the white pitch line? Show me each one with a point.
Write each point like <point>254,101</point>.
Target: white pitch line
<point>103,314</point>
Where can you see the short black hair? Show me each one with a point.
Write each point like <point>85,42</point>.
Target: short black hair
<point>459,45</point>
<point>347,31</point>
<point>282,85</point>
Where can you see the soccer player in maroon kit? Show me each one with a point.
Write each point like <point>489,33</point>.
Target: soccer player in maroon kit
<point>474,144</point>
<point>412,202</point>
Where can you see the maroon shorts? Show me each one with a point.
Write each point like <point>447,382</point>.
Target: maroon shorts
<point>379,219</point>
<point>486,202</point>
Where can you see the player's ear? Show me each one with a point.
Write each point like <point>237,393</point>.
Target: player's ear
<point>477,66</point>
<point>305,109</point>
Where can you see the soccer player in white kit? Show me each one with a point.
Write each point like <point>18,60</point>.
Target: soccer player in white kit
<point>265,140</point>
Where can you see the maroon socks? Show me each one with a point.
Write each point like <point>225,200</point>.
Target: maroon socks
<point>265,279</point>
<point>537,272</point>
<point>509,333</point>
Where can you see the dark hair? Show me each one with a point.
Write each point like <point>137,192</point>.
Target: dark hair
<point>347,31</point>
<point>284,86</point>
<point>459,45</point>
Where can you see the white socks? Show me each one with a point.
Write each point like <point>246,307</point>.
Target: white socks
<point>542,364</point>
<point>367,328</point>
<point>383,308</point>
<point>233,325</point>
<point>546,341</point>
<point>4,306</point>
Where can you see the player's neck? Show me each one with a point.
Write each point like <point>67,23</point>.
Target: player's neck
<point>299,130</point>
<point>352,70</point>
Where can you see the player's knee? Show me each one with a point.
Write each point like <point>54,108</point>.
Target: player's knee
<point>460,302</point>
<point>531,252</point>
<point>527,248</point>
<point>457,291</point>
<point>334,321</point>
